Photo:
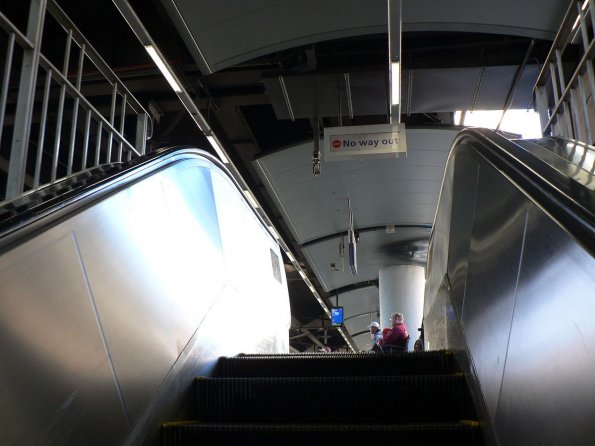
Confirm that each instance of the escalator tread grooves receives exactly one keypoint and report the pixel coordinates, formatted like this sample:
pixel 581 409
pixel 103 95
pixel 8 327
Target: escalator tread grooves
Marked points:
pixel 197 425
pixel 299 434
pixel 254 365
pixel 238 406
pixel 247 399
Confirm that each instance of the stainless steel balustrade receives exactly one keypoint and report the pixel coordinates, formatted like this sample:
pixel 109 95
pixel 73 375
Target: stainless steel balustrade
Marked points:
pixel 577 153
pixel 511 281
pixel 566 104
pixel 105 320
pixel 63 144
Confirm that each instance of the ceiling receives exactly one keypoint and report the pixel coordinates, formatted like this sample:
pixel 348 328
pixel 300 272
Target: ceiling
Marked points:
pixel 230 55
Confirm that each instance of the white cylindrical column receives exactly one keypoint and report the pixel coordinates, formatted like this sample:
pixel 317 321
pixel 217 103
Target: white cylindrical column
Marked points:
pixel 401 288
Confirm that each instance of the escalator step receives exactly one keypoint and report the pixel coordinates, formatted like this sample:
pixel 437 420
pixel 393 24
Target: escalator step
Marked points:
pixel 194 433
pixel 365 364
pixel 334 399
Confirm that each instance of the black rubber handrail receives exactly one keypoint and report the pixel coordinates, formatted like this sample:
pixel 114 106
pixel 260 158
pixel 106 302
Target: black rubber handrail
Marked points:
pixel 570 203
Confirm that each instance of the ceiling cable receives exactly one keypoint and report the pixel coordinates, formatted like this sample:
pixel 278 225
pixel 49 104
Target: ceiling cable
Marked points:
pixel 348 92
pixel 409 92
pixel 477 88
pixel 286 97
pixel 342 252
pixel 515 82
pixel 340 112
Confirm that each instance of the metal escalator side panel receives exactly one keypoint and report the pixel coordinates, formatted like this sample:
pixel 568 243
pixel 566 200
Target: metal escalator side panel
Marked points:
pixel 511 281
pixel 114 299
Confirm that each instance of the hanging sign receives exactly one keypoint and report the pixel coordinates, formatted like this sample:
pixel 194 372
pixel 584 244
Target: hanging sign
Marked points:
pixel 365 141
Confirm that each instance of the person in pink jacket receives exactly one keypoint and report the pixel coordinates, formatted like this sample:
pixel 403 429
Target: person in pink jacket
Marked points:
pixel 395 339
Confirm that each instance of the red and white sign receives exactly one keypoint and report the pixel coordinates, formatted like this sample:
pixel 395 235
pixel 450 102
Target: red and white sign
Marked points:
pixel 365 141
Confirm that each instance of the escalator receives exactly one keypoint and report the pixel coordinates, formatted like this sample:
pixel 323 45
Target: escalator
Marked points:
pixel 416 398
pixel 114 286
pixel 511 281
pixel 497 316
pixel 114 283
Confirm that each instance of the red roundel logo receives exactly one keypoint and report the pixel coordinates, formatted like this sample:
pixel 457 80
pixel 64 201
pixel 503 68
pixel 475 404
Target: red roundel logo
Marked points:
pixel 336 143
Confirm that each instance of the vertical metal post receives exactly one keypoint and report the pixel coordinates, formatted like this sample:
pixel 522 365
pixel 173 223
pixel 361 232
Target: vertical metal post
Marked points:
pixel 591 79
pixel 561 83
pixel 41 142
pixel 582 25
pixel 575 114
pixel 111 121
pixel 122 121
pixel 26 96
pixel 58 137
pixel 86 141
pixel 570 124
pixel 583 101
pixel 98 145
pixel 141 133
pixel 541 102
pixel 560 70
pixel 554 83
pixel 6 80
pixel 75 111
pixel 556 129
pixel 590 70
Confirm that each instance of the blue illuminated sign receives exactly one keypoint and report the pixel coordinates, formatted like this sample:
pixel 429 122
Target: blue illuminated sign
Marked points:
pixel 337 316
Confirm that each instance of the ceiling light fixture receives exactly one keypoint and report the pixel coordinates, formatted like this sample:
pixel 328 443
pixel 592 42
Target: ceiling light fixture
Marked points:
pixel 273 231
pixel 395 80
pixel 218 148
pixel 165 70
pixel 251 199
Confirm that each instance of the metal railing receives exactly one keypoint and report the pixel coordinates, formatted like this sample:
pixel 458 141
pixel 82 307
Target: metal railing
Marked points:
pixel 54 128
pixel 567 107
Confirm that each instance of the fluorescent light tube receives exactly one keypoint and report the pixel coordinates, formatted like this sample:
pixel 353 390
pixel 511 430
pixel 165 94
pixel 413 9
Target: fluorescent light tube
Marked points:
pixel 302 274
pixel 585 4
pixel 274 232
pixel 575 25
pixel 395 82
pixel 251 199
pixel 290 256
pixel 163 68
pixel 218 148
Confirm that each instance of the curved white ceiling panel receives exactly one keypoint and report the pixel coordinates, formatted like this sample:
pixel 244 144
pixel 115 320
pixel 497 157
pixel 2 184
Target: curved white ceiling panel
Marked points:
pixel 400 191
pixel 375 250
